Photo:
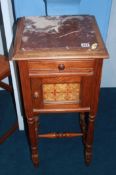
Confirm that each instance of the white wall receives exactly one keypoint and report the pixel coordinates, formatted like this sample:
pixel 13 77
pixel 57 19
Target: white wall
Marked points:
pixel 8 20
pixel 109 69
pixel 2 52
pixel 1 45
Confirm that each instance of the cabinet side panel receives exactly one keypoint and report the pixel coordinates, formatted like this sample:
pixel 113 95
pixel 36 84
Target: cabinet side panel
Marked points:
pixel 25 85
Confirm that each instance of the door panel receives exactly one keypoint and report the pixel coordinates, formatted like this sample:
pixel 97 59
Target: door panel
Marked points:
pixel 61 90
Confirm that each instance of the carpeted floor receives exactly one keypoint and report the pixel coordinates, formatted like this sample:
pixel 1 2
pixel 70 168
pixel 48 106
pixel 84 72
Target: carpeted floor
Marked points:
pixel 60 156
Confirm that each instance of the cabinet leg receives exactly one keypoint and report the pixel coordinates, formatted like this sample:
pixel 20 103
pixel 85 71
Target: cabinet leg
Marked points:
pixel 89 139
pixel 33 140
pixel 83 125
pixel 37 125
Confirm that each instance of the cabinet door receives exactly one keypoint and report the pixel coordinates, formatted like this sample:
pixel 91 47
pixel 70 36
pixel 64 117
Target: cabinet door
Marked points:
pixel 61 92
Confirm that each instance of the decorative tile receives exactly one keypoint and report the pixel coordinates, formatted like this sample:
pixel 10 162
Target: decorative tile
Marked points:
pixel 61 93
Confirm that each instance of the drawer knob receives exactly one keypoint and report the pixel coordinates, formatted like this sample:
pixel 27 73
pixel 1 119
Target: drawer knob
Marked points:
pixel 61 66
pixel 36 95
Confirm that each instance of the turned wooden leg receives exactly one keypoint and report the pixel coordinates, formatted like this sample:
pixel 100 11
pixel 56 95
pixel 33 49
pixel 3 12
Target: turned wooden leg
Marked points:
pixel 89 139
pixel 37 124
pixel 33 140
pixel 83 126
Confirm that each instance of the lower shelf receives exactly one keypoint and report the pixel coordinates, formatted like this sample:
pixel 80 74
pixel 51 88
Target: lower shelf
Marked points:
pixel 61 108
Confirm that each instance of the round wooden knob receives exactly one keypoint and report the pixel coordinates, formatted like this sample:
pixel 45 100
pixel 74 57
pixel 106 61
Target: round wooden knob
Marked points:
pixel 36 94
pixel 61 66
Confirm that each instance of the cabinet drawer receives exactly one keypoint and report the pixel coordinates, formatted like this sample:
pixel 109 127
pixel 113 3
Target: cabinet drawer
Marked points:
pixel 49 67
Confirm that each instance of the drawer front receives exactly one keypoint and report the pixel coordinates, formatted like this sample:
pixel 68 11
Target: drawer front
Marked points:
pixel 50 67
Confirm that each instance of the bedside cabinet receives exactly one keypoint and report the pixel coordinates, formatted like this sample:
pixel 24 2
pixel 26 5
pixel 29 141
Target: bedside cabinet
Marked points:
pixel 60 62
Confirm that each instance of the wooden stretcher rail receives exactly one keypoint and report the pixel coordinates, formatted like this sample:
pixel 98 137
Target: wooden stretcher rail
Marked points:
pixel 59 135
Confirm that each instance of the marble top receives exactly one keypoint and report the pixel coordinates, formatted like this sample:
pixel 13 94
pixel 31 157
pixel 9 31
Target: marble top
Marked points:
pixel 59 32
